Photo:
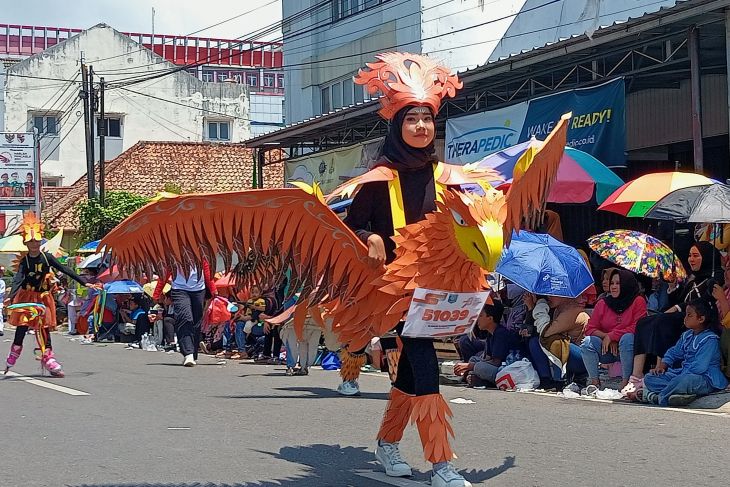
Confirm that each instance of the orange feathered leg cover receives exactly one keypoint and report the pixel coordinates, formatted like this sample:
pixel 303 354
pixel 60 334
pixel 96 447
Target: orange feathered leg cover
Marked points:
pixel 431 415
pixel 396 416
pixel 351 363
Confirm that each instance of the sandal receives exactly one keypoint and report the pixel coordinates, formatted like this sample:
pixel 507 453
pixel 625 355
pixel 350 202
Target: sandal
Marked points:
pixel 633 388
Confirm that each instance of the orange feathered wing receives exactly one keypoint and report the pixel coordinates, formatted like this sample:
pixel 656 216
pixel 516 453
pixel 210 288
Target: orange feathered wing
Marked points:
pixel 269 231
pixel 533 178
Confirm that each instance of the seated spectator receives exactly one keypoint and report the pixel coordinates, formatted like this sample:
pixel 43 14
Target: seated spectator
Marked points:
pixel 137 315
pixel 690 368
pixel 656 333
pixel 722 296
pixel 500 342
pixel 610 331
pixel 554 350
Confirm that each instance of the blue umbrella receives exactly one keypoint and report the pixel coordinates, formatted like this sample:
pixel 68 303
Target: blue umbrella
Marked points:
pixel 123 287
pixel 88 247
pixel 542 265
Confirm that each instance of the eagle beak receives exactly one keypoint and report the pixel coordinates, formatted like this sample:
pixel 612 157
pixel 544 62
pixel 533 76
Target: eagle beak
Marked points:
pixel 491 246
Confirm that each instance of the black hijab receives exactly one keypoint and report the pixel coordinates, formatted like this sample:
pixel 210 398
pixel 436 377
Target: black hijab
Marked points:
pixel 629 290
pixel 400 156
pixel 711 263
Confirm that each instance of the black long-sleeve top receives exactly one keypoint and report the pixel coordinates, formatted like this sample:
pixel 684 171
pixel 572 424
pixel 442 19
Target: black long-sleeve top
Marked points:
pixel 32 273
pixel 370 209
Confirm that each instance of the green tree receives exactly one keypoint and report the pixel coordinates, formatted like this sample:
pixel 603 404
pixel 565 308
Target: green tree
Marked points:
pixel 96 220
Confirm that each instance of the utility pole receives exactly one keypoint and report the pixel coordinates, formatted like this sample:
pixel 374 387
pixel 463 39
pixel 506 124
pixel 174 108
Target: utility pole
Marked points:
pixel 93 104
pixel 84 95
pixel 102 148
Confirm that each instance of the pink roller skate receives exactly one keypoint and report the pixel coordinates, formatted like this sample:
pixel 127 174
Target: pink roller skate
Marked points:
pixel 51 365
pixel 13 356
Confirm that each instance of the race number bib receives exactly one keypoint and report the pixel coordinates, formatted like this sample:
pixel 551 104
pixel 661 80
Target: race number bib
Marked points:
pixel 434 313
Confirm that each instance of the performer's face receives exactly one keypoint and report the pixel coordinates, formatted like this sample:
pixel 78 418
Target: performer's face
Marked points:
pixel 34 246
pixel 418 129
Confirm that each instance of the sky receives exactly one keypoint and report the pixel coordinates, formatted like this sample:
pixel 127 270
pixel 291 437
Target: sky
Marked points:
pixel 136 15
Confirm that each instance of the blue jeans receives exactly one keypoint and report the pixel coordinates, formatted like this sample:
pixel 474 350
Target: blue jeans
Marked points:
pixel 668 384
pixel 547 370
pixel 227 337
pixel 591 350
pixel 240 336
pixel 470 346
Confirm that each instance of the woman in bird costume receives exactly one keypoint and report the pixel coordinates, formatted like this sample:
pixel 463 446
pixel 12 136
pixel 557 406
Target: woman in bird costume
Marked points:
pixel 361 280
pixel 31 296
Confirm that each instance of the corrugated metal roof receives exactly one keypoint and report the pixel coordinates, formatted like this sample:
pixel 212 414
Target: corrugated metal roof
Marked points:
pixel 372 105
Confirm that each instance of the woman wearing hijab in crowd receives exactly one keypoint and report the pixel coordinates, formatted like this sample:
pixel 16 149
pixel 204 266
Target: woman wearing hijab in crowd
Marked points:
pixel 655 334
pixel 610 331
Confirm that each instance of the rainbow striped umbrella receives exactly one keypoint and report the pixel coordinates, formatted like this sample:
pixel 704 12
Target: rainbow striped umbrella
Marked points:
pixel 636 197
pixel 579 174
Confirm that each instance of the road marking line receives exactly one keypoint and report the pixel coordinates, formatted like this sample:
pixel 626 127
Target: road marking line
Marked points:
pixel 178 428
pixel 381 477
pixel 47 385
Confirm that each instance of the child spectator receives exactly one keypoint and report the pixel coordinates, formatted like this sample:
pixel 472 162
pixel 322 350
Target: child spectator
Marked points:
pixel 696 357
pixel 499 343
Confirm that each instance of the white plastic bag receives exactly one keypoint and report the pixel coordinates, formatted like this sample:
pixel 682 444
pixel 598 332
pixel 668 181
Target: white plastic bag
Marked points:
pixel 518 375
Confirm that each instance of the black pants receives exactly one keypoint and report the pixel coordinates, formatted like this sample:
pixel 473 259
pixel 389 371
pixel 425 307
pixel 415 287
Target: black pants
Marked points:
pixel 22 330
pixel 272 343
pixel 188 309
pixel 168 330
pixel 418 367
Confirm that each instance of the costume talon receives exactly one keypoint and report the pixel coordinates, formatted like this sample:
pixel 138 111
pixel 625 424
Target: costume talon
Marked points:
pixel 350 365
pixel 435 237
pixel 396 417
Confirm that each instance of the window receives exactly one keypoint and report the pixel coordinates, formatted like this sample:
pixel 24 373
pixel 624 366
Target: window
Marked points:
pixel 337 95
pixel 112 127
pixel 46 125
pixel 359 93
pixel 347 91
pixel 219 131
pixel 345 8
pixel 208 76
pixel 280 80
pixel 326 107
pixel 252 79
pixel 269 80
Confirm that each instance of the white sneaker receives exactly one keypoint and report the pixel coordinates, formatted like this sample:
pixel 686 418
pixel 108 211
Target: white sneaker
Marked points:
pixel 447 476
pixel 189 361
pixel 349 388
pixel 389 457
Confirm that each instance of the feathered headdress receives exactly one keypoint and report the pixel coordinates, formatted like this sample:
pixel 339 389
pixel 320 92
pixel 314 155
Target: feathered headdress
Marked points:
pixel 31 228
pixel 408 79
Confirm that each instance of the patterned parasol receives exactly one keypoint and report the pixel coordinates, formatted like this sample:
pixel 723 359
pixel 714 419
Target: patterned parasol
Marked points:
pixel 637 252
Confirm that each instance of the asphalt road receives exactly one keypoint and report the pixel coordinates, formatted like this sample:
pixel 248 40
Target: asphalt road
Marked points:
pixel 147 421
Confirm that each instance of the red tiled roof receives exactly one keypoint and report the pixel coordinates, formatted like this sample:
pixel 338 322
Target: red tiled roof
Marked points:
pixel 146 167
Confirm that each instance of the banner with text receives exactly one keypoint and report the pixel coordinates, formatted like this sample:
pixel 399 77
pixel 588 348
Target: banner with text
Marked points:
pixel 18 170
pixel 598 125
pixel 332 168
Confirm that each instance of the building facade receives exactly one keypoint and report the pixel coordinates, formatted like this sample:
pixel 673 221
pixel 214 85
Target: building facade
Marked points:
pixel 42 93
pixel 325 44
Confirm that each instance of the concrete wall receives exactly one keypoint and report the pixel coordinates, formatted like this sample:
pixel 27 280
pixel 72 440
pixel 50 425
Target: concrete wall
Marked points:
pixel 463 33
pixel 191 102
pixel 353 41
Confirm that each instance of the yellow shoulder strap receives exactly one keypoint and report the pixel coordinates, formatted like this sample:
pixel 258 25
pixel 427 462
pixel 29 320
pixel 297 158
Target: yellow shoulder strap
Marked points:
pixel 438 170
pixel 397 211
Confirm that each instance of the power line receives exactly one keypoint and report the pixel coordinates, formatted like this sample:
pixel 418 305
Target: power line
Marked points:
pixel 349 56
pixel 260 32
pixel 148 115
pixel 68 83
pixel 186 35
pixel 227 115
